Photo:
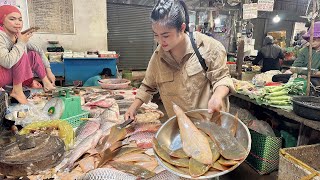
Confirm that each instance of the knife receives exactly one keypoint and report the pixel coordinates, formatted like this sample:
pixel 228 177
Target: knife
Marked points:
pixel 125 124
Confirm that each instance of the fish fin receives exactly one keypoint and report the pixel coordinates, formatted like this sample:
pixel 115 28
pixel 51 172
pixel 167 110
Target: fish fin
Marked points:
pixel 130 130
pixel 107 155
pixel 235 125
pixel 216 118
pixel 116 145
pixel 92 152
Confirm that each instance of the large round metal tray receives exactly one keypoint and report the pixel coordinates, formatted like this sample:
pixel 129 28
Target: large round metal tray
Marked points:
pixel 302 70
pixel 169 135
pixel 307 107
pixel 48 152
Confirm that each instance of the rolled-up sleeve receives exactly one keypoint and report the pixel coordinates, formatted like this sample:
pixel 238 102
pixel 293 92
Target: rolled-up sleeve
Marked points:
pixel 218 72
pixel 149 86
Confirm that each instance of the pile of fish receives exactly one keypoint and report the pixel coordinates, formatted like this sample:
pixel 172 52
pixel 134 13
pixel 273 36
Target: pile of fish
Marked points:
pixel 207 148
pixel 106 144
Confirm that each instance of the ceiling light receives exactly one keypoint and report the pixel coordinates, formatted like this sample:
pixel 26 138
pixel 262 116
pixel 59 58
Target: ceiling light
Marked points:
pixel 276 19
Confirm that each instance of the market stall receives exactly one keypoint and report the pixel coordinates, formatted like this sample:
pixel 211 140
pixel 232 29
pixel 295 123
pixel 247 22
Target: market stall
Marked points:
pixel 87 117
pixel 93 139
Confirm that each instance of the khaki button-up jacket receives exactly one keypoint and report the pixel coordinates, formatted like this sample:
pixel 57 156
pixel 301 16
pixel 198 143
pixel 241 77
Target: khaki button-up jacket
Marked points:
pixel 186 83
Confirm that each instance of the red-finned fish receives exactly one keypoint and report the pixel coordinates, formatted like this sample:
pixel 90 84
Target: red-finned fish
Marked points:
pixel 142 139
pixel 104 103
pixel 111 114
pixel 143 127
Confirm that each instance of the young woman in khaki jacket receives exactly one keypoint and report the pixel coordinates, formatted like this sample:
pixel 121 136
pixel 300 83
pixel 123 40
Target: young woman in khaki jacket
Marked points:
pixel 174 69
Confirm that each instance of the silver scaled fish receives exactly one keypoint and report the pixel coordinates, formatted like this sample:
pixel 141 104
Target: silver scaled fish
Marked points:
pixel 106 173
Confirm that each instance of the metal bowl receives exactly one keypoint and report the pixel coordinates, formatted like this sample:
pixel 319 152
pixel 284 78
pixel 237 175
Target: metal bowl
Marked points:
pixel 169 136
pixel 302 70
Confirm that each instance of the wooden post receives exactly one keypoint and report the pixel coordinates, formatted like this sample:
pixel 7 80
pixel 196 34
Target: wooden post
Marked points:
pixel 314 7
pixel 240 57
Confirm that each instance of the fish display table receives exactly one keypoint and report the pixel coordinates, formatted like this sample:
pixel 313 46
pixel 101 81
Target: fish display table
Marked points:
pixel 305 124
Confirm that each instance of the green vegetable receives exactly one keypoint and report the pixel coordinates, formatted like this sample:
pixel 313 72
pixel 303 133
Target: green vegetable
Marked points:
pixel 280 103
pixel 278 93
pixel 279 98
pixel 272 89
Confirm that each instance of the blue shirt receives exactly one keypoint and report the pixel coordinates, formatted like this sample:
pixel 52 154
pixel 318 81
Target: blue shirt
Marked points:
pixel 93 81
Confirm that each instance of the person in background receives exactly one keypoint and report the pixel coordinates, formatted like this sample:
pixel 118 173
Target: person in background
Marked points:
pixel 93 81
pixel 303 58
pixel 299 40
pixel 174 69
pixel 19 59
pixel 303 55
pixel 269 54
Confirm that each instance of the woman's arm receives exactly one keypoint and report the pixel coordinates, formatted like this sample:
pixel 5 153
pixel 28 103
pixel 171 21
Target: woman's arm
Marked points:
pixel 33 47
pixel 218 74
pixel 146 90
pixel 9 58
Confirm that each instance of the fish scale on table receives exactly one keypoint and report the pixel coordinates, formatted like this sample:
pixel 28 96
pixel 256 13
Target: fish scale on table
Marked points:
pixel 107 174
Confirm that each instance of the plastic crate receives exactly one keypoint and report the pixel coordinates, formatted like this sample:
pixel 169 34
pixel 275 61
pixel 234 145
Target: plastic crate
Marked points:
pixel 75 121
pixel 264 153
pixel 300 163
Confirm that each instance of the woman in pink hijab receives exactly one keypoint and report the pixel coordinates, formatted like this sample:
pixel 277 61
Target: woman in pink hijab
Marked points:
pixel 19 59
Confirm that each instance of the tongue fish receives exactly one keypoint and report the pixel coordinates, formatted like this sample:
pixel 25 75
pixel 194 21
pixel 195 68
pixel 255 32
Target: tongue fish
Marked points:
pixel 194 143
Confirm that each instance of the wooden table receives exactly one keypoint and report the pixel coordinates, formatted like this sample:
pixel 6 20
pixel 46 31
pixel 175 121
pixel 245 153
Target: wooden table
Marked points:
pixel 305 124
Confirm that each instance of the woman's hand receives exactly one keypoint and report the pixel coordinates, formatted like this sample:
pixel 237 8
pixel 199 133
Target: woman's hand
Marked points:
pixel 24 37
pixel 131 113
pixel 132 110
pixel 215 104
pixel 51 76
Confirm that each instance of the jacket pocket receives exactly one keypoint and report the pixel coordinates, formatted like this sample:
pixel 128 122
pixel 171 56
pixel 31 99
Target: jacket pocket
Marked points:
pixel 196 75
pixel 167 84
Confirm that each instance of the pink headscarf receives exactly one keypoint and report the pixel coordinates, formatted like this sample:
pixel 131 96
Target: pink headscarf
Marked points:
pixel 5 10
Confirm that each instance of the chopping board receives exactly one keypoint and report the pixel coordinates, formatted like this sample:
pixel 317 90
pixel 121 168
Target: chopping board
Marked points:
pixel 47 153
